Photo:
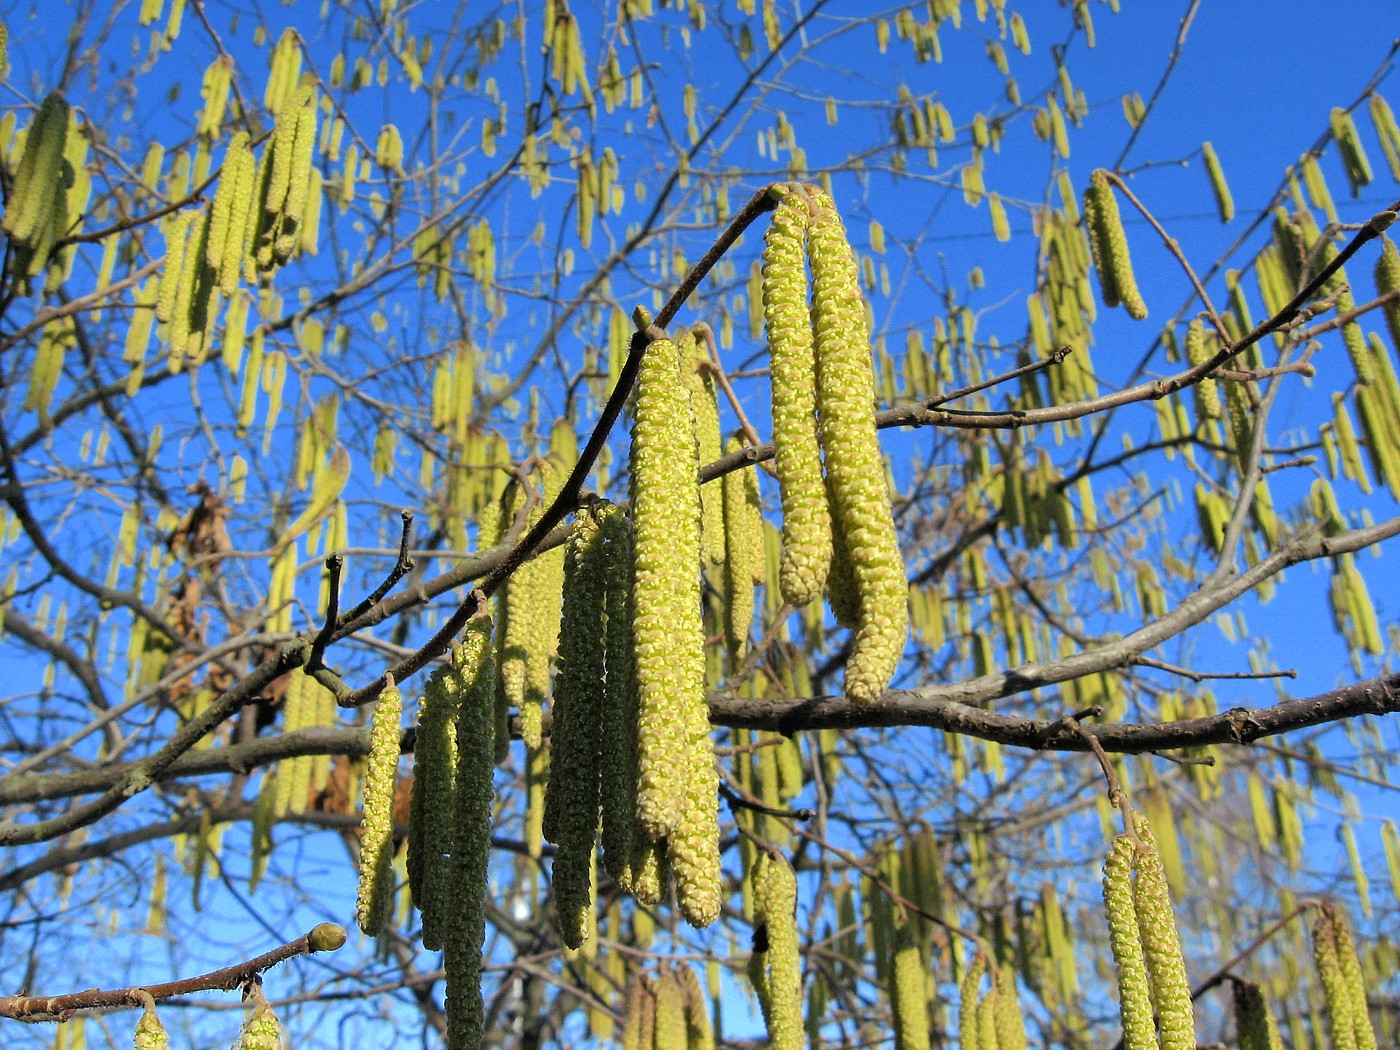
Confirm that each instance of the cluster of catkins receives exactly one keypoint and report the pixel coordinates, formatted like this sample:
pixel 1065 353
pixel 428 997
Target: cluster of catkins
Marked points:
pixel 631 761
pixel 666 1010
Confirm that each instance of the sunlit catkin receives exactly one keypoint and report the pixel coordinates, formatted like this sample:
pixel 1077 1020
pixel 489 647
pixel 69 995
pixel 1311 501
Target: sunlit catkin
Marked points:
pixel 31 200
pixel 1254 1024
pixel 1207 390
pixel 261 1031
pixel 1110 247
pixel 668 634
pixel 465 923
pixel 742 518
pixel 1134 993
pixel 572 793
pixel 699 1032
pixel 150 1032
pixel 376 892
pixel 1353 981
pixel 618 719
pixel 776 962
pixel 1166 967
pixel 792 368
pixel 694 365
pixel 969 1034
pixel 860 503
pixel 1387 281
pixel 669 1032
pixel 1219 188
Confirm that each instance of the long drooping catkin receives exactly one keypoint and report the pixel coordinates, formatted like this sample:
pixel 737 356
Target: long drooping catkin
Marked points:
pixel 1171 993
pixel 376 892
pixel 775 968
pixel 792 367
pixel 1110 247
pixel 855 471
pixel 1134 994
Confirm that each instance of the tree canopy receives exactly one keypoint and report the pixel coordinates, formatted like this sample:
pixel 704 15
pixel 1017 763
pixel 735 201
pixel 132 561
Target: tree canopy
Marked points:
pixel 347 347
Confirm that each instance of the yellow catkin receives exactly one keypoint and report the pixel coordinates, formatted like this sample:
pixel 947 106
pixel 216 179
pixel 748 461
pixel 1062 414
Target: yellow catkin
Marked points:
pixel 1110 247
pixel 1354 160
pixel 1254 1024
pixel 908 992
pixel 1207 389
pixel 742 517
pixel 1166 967
pixel 860 502
pixel 150 1032
pixel 1009 1021
pixel 1134 994
pixel 572 793
pixel 669 1032
pixel 969 1033
pixel 776 964
pixel 1224 203
pixel 639 1015
pixel 376 892
pixel 668 634
pixel 792 366
pixel 430 808
pixel 1387 281
pixel 700 1033
pixel 465 922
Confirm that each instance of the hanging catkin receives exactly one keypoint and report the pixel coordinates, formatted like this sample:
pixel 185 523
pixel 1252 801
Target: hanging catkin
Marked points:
pixel 792 366
pixel 1134 995
pixel 376 893
pixel 775 968
pixel 1110 247
pixel 1166 967
pixel 430 810
pixel 855 471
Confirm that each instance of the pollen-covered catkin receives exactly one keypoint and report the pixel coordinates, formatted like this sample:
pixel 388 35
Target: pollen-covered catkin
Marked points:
pixel 434 776
pixel 1329 970
pixel 1161 945
pixel 572 793
pixel 742 518
pixel 1254 1024
pixel 471 836
pixel 792 368
pixel 1010 1022
pixel 1134 994
pixel 855 470
pixel 670 1028
pixel 1224 202
pixel 1387 281
pixel 695 365
pixel 668 633
pixel 1110 247
pixel 968 1032
pixel 376 892
pixel 261 1031
pixel 776 960
pixel 1352 981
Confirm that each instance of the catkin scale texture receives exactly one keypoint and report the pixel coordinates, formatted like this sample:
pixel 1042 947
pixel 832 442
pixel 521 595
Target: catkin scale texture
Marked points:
pixel 618 739
pixel 430 813
pixel 777 969
pixel 855 471
pixel 908 996
pixel 36 182
pixel 1134 996
pixel 1110 247
pixel 376 891
pixel 465 922
pixel 1171 993
pixel 572 793
pixel 792 367
pixel 667 630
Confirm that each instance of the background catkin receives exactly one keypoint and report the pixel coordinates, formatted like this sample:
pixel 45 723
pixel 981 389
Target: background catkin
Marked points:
pixel 908 992
pixel 376 892
pixel 776 963
pixel 969 1034
pixel 1254 1025
pixel 742 517
pixel 806 556
pixel 860 502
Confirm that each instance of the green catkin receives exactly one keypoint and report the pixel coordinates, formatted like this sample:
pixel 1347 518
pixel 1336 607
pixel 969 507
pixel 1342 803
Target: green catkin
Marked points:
pixel 31 204
pixel 775 967
pixel 742 517
pixel 1224 203
pixel 572 793
pixel 806 525
pixel 1110 247
pixel 303 151
pixel 618 740
pixel 176 237
pixel 429 836
pixel 986 1021
pixel 1387 281
pixel 1329 970
pixel 639 1015
pixel 471 837
pixel 860 501
pixel 1354 160
pixel 1353 982
pixel 1009 1022
pixel 668 634
pixel 239 172
pixel 908 995
pixel 221 215
pixel 1134 995
pixel 1241 430
pixel 1166 967
pixel 1207 389
pixel 376 893
pixel 1254 1024
pixel 969 1033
